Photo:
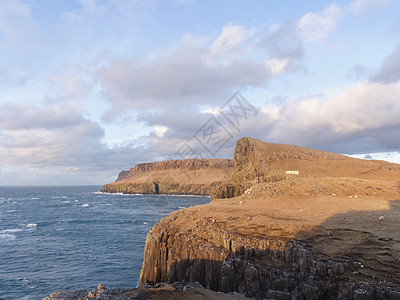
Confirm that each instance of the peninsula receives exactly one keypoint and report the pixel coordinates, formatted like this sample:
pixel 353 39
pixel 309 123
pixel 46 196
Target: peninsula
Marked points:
pixel 179 177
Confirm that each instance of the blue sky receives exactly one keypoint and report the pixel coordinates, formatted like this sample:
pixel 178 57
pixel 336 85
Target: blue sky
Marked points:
pixel 89 88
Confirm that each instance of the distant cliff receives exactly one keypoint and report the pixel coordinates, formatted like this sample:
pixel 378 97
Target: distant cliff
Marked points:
pixel 122 175
pixel 192 176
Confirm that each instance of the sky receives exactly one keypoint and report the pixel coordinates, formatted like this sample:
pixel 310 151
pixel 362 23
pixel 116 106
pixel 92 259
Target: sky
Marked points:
pixel 92 87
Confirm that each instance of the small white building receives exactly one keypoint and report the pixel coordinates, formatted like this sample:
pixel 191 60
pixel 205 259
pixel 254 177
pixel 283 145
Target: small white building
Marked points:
pixel 292 172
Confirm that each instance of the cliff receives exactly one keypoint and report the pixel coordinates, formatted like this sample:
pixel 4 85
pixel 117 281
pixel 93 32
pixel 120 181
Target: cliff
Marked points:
pixel 330 232
pixel 193 176
pixel 260 162
pixel 257 160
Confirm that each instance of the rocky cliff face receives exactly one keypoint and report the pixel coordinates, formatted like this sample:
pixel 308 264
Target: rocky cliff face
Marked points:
pixel 193 176
pixel 228 247
pixel 330 232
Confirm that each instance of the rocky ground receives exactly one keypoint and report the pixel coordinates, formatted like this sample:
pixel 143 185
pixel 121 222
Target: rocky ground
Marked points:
pixel 161 291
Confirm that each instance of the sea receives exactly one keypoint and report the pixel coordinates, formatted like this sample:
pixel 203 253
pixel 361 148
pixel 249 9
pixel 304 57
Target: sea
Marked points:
pixel 73 237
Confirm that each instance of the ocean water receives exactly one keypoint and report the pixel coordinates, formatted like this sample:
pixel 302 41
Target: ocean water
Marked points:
pixel 60 238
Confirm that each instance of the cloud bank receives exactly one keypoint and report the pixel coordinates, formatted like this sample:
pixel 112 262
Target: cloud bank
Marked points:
pixel 55 122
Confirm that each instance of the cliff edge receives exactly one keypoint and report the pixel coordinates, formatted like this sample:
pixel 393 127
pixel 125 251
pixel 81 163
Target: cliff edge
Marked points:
pixel 291 223
pixel 192 176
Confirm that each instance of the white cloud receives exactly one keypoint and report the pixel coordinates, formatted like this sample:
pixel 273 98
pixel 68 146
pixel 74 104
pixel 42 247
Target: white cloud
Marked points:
pixel 181 78
pixel 368 7
pixel 18 26
pixel 277 66
pixel 230 39
pixel 70 82
pixel 386 156
pixel 57 136
pixel 390 68
pixel 160 130
pixel 212 110
pixel 283 43
pixel 89 10
pixel 315 26
pixel 364 116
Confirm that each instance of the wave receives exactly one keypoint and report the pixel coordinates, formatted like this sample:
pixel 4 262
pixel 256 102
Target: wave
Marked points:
pixel 7 236
pixel 180 195
pixel 120 194
pixel 5 231
pixel 153 195
pixel 85 205
pixel 31 225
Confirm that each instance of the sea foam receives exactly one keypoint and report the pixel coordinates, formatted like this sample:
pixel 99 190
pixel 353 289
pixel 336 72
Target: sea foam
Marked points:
pixel 7 236
pixel 31 225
